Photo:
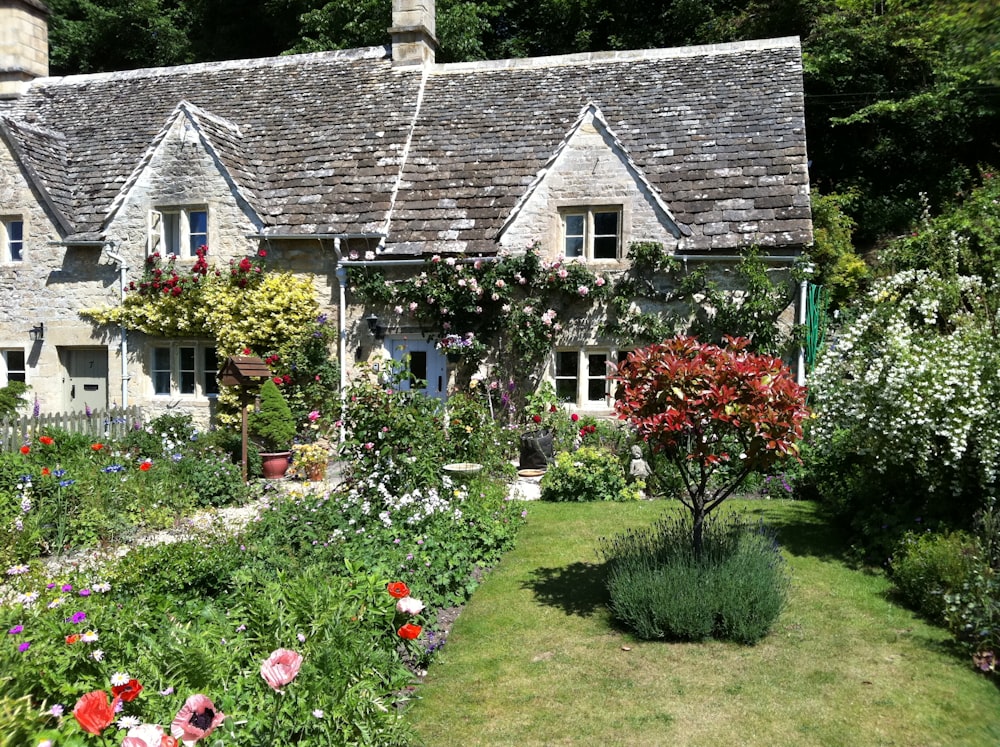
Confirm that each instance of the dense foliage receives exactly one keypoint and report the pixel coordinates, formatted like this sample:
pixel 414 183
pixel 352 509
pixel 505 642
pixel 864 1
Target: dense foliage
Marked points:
pixel 719 414
pixel 660 587
pixel 590 473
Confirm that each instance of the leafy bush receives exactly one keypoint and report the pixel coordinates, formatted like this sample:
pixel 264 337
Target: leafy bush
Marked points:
pixel 211 477
pixel 272 423
pixel 927 566
pixel 588 474
pixel 905 436
pixel 660 587
pixel 475 436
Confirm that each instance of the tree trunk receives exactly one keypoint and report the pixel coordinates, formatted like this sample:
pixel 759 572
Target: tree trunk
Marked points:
pixel 697 535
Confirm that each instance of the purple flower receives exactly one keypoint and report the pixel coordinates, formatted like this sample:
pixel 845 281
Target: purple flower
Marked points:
pixel 36 410
pixel 84 592
pixel 67 587
pixel 24 647
pixel 56 710
pixel 78 617
pixel 15 630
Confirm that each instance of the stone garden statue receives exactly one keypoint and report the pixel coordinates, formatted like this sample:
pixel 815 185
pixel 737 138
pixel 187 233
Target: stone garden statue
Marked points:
pixel 637 468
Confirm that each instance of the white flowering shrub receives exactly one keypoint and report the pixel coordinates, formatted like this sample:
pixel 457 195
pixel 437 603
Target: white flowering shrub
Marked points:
pixel 905 433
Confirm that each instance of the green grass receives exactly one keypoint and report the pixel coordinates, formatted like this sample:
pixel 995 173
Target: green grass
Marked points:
pixel 535 659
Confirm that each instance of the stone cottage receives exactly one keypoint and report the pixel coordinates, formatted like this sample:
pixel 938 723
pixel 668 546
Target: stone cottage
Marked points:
pixel 377 153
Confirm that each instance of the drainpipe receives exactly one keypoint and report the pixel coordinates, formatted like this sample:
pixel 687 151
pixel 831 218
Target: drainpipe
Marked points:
pixel 341 272
pixel 122 332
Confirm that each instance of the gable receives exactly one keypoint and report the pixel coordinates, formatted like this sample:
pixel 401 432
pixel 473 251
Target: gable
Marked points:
pixel 590 167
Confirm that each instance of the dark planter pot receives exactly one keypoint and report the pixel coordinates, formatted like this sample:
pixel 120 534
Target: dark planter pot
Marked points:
pixel 537 450
pixel 274 464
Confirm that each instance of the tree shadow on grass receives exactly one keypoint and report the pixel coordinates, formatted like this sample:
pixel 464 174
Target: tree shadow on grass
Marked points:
pixel 576 589
pixel 805 532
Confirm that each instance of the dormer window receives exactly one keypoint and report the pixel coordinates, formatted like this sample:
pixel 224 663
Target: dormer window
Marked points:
pixel 12 240
pixel 178 231
pixel 592 233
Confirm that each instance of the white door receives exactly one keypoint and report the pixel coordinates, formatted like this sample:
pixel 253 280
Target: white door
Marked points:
pixel 427 366
pixel 86 379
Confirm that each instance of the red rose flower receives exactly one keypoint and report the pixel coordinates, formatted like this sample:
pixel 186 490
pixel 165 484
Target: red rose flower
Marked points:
pixel 278 380
pixel 127 692
pixel 409 631
pixel 398 589
pixel 537 418
pixel 46 440
pixel 552 408
pixel 574 417
pixel 94 713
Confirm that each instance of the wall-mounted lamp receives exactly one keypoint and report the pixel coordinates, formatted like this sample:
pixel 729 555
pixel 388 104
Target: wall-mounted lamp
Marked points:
pixel 377 330
pixel 37 333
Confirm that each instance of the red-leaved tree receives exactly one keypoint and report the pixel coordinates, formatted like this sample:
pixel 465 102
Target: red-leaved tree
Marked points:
pixel 718 413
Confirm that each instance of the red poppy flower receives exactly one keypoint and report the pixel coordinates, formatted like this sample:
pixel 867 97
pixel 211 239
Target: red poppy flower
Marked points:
pixel 71 639
pixel 537 418
pixel 280 668
pixel 146 466
pixel 127 692
pixel 398 589
pixel 25 449
pixel 196 719
pixel 46 471
pixel 94 713
pixel 409 631
pixel 46 440
pixel 97 447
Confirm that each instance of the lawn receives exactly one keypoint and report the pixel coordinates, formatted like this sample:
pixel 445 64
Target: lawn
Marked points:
pixel 535 658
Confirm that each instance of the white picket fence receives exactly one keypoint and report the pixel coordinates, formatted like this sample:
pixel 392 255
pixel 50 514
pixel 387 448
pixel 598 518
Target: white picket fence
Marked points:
pixel 108 424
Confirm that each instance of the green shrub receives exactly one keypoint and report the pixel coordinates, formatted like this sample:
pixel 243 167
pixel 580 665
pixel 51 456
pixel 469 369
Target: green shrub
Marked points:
pixel 272 424
pixel 661 589
pixel 588 474
pixel 927 566
pixel 211 477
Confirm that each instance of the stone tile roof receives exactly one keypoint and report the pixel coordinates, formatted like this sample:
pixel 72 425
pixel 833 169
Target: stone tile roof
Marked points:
pixel 330 142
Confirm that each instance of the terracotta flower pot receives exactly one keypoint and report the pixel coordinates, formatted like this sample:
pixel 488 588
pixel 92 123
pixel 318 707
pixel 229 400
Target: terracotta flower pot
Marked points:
pixel 274 464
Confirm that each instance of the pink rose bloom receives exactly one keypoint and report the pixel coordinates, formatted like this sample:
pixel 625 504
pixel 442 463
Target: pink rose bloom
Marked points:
pixel 314 415
pixel 196 719
pixel 583 290
pixel 409 606
pixel 599 282
pixel 280 668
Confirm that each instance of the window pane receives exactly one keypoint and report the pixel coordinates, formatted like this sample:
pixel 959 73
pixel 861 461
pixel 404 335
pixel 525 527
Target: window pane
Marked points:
pixel 566 363
pixel 596 389
pixel 597 364
pixel 211 371
pixel 15 240
pixel 197 230
pixel 566 390
pixel 161 370
pixel 171 233
pixel 15 365
pixel 418 364
pixel 605 224
pixel 574 230
pixel 605 235
pixel 186 370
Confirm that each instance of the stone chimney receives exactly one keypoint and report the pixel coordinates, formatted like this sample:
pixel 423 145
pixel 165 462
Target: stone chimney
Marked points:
pixel 24 44
pixel 413 39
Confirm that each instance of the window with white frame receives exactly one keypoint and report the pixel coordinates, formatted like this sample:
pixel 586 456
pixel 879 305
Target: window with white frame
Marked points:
pixel 12 360
pixel 581 376
pixel 184 370
pixel 592 233
pixel 178 231
pixel 11 240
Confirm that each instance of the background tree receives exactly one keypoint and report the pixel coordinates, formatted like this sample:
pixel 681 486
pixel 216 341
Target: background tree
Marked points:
pixel 717 413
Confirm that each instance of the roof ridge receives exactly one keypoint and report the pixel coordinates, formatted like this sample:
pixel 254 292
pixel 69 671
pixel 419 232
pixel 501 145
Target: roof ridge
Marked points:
pixel 624 55
pixel 345 55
